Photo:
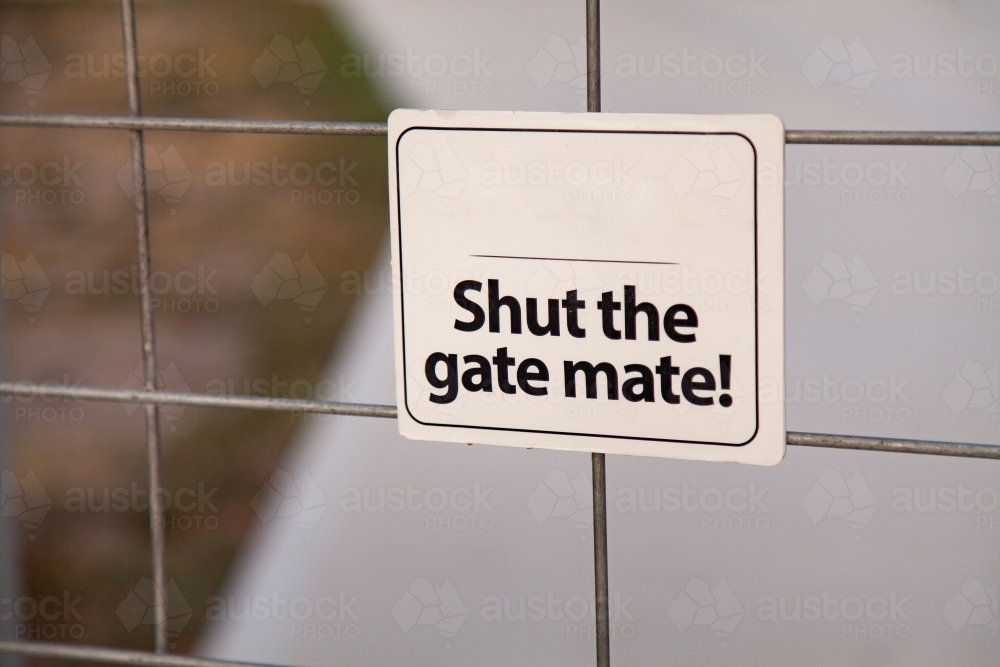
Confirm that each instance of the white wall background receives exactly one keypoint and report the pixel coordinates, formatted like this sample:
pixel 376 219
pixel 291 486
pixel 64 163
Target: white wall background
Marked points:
pixel 843 559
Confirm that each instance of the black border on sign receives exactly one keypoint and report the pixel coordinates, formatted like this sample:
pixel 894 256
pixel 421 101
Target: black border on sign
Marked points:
pixel 756 333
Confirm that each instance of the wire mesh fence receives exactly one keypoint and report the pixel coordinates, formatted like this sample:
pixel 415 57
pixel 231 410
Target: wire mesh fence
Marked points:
pixel 153 398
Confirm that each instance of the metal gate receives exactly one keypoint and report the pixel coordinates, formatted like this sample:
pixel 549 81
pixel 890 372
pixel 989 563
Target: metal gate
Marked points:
pixel 151 397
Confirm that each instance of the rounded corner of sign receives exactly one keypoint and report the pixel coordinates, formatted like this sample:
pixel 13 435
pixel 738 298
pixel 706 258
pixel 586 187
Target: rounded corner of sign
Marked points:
pixel 769 447
pixel 402 116
pixel 779 125
pixel 766 128
pixel 395 116
pixel 774 456
pixel 398 123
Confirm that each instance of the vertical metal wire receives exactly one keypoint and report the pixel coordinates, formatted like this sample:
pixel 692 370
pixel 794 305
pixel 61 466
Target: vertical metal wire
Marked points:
pixel 156 520
pixel 593 55
pixel 602 620
pixel 601 561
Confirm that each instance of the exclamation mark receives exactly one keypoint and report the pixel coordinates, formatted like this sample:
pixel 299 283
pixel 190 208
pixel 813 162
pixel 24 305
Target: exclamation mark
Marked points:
pixel 725 364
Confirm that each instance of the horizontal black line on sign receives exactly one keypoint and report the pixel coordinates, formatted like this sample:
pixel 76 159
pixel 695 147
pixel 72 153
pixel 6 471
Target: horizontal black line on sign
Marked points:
pixel 576 259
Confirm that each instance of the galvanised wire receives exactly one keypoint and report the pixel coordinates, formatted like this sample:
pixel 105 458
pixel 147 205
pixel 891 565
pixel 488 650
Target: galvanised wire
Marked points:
pixel 113 656
pixel 157 527
pixel 195 124
pixel 602 633
pixel 152 398
pixel 160 397
pixel 346 128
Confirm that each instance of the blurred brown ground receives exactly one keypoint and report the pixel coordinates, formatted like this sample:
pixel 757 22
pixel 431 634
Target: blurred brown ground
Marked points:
pixel 215 332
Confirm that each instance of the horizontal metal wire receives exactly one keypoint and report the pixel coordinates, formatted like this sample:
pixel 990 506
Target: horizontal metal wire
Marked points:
pixel 28 390
pixel 857 137
pixel 932 447
pixel 159 397
pixel 112 655
pixel 194 124
pixel 892 138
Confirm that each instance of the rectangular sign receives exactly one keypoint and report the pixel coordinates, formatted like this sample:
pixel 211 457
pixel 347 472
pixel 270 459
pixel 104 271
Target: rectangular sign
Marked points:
pixel 593 282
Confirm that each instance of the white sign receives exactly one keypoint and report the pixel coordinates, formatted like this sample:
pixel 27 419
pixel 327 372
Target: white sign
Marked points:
pixel 594 282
